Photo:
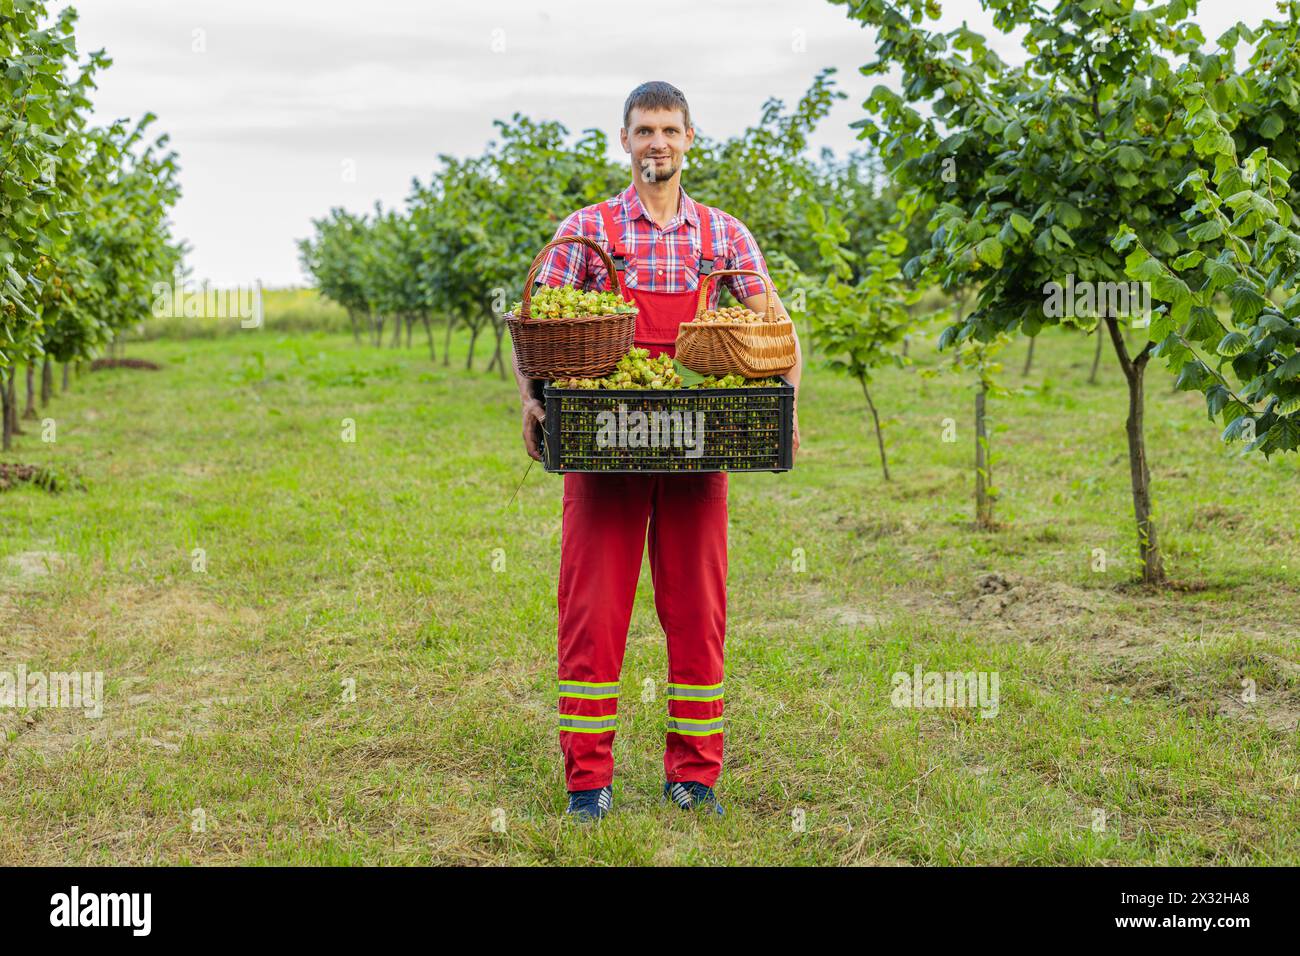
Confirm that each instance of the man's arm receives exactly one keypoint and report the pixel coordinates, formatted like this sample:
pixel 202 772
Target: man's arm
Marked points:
pixel 758 303
pixel 564 265
pixel 534 412
pixel 743 253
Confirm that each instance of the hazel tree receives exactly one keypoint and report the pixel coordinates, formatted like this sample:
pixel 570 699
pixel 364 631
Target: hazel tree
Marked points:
pixel 1242 247
pixel 1027 174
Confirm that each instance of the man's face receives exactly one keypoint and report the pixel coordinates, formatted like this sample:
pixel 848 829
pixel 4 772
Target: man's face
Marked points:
pixel 657 140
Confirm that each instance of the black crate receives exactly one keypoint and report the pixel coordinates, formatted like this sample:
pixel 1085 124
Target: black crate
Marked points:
pixel 743 429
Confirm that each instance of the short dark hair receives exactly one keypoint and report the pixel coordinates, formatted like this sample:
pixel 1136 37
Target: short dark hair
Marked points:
pixel 656 95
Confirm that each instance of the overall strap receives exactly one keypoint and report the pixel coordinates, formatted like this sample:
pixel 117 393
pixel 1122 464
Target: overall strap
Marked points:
pixel 615 235
pixel 706 239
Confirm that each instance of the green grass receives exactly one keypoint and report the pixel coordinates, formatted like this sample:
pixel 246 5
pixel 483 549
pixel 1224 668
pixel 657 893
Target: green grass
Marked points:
pixel 371 562
pixel 285 311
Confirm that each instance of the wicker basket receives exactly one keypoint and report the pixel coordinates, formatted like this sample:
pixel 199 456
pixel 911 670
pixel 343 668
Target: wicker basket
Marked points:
pixel 582 347
pixel 751 349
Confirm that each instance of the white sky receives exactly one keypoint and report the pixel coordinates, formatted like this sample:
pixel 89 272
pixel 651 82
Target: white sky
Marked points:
pixel 289 92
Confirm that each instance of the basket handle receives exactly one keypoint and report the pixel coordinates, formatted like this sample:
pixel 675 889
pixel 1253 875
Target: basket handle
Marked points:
pixel 770 316
pixel 614 280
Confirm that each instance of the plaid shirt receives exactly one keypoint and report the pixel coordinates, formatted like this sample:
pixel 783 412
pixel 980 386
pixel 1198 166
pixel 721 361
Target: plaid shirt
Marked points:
pixel 659 260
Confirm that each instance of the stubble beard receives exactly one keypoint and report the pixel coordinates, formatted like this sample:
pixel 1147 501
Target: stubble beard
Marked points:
pixel 650 172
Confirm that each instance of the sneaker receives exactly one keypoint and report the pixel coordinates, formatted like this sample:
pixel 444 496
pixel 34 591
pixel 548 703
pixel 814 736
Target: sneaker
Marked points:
pixel 588 805
pixel 690 795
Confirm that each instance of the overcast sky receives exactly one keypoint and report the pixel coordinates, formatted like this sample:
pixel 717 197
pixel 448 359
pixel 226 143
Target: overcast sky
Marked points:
pixel 280 109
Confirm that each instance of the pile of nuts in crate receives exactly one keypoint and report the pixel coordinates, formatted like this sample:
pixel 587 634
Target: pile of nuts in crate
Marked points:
pixel 638 370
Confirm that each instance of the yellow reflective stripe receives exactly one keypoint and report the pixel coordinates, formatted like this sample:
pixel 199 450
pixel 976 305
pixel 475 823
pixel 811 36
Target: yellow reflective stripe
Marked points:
pixel 587 730
pixel 583 724
pixel 700 692
pixel 588 690
pixel 695 726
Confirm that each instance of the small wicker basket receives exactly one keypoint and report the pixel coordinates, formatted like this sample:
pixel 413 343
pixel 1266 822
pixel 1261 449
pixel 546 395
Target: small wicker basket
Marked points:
pixel 751 349
pixel 580 347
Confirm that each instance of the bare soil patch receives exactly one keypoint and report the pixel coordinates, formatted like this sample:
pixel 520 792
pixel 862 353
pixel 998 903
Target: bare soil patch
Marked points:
pixel 144 364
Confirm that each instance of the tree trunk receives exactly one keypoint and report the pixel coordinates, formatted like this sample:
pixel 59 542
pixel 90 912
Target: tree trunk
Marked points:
pixel 880 438
pixel 983 464
pixel 356 328
pixel 474 329
pixel 1153 571
pixel 6 426
pixel 67 369
pixel 47 381
pixel 12 392
pixel 1029 358
pixel 29 412
pixel 428 330
pixel 410 326
pixel 499 329
pixel 446 342
pixel 397 331
pixel 1096 358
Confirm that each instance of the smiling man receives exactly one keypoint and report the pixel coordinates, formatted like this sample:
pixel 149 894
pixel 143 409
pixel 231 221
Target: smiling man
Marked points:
pixel 662 243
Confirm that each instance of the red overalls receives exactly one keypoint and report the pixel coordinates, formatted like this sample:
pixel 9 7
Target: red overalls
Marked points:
pixel 602 538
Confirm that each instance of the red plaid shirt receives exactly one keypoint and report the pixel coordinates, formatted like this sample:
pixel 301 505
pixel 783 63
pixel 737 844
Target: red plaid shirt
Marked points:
pixel 659 260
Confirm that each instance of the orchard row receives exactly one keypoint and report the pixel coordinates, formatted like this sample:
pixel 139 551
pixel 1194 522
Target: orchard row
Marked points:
pixel 83 209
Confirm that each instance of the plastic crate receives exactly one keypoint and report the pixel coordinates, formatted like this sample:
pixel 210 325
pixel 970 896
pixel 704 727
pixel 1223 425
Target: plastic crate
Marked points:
pixel 713 429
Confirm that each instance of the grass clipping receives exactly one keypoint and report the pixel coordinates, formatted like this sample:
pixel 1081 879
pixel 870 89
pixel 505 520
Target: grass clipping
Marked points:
pixel 42 476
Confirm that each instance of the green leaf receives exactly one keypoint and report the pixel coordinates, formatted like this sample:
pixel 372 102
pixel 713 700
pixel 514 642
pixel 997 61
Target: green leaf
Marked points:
pixel 1216 398
pixel 1021 224
pixel 1232 344
pixel 1218 274
pixel 1238 424
pixel 1062 236
pixel 1068 216
pixel 1247 303
pixel 1191 377
pixel 1204 325
pixel 689 377
pixel 1162 326
pixel 1289 369
pixel 1169 288
pixel 1271 126
pixel 1288 406
pixel 990 252
pixel 1206 232
pixel 1129 157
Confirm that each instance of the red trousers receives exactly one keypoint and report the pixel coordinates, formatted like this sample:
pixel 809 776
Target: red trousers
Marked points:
pixel 604 533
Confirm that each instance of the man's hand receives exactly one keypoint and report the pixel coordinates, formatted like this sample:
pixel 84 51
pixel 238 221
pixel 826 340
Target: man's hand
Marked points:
pixel 758 303
pixel 534 415
pixel 795 444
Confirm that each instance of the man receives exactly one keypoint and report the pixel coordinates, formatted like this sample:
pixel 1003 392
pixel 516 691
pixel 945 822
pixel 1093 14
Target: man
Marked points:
pixel 661 242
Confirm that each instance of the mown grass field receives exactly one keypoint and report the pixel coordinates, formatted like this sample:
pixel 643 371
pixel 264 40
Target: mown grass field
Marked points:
pixel 369 564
